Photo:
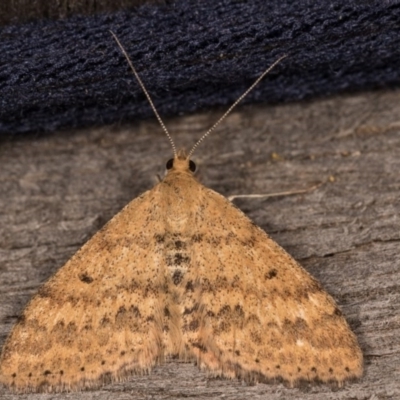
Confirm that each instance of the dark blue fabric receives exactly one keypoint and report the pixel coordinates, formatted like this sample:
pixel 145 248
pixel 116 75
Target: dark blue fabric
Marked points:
pixel 191 55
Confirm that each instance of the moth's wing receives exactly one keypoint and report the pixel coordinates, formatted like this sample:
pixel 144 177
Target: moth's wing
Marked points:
pixel 98 317
pixel 258 314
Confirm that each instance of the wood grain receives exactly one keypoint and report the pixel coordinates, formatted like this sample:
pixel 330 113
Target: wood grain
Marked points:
pixel 57 191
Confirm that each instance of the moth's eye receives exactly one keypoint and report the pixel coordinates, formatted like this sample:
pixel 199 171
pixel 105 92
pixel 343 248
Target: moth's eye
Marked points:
pixel 192 166
pixel 170 163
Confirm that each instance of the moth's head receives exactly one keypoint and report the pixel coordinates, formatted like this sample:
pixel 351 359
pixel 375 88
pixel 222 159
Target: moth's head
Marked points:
pixel 181 162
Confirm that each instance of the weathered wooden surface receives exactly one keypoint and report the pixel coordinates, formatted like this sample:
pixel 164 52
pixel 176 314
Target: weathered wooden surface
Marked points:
pixel 55 192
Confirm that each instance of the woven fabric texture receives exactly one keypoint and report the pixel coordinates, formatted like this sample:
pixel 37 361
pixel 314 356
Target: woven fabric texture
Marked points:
pixel 191 55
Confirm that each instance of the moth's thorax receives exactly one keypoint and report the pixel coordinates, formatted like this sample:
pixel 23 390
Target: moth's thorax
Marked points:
pixel 181 193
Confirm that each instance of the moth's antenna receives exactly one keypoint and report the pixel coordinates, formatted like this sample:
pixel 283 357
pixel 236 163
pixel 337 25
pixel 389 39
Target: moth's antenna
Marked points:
pixel 146 93
pixel 236 103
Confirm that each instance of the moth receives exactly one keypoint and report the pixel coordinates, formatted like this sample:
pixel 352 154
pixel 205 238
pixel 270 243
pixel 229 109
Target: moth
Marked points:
pixel 179 272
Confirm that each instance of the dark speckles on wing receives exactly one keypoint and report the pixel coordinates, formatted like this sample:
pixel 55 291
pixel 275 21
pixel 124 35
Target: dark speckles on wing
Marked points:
pixel 200 346
pixel 272 273
pixel 197 238
pixel 45 291
pixel 84 277
pixel 177 257
pixel 189 286
pixel 177 277
pixel 159 238
pixel 179 245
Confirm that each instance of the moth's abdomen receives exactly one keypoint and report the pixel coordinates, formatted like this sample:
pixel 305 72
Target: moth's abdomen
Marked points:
pixel 180 303
pixel 177 259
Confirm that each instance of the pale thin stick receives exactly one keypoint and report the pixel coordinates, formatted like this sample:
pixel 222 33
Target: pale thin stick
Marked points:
pixel 236 103
pixel 266 196
pixel 146 93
